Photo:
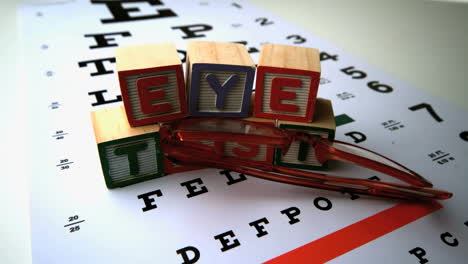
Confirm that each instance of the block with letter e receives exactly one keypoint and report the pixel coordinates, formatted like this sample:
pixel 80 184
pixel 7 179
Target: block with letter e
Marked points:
pixel 287 82
pixel 128 154
pixel 152 83
pixel 219 79
pixel 300 154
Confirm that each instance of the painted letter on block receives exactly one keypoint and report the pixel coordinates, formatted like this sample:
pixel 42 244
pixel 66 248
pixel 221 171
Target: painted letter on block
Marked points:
pixel 221 90
pixel 147 96
pixel 278 95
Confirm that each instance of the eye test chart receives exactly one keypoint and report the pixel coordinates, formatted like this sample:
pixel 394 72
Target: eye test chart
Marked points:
pixel 219 216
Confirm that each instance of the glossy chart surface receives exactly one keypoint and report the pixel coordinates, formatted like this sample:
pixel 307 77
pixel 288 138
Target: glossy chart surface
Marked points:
pixel 216 216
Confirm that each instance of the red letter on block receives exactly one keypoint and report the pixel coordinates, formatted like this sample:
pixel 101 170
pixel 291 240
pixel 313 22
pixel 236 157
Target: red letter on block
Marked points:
pixel 147 97
pixel 251 152
pixel 277 94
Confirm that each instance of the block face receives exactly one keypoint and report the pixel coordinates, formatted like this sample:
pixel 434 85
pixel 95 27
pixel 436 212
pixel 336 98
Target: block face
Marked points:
pixel 220 90
pixel 285 94
pixel 153 95
pixel 301 155
pixel 131 160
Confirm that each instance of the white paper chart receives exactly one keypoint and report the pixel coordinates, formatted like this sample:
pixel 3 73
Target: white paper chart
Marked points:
pixel 215 216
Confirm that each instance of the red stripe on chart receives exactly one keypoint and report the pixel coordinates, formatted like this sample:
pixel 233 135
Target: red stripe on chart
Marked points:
pixel 351 237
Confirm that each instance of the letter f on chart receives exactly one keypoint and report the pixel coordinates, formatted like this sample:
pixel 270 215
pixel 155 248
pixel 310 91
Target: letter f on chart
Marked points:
pixel 221 90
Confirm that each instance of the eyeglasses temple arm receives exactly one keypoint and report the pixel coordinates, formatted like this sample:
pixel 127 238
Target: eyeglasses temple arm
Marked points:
pixel 187 156
pixel 325 151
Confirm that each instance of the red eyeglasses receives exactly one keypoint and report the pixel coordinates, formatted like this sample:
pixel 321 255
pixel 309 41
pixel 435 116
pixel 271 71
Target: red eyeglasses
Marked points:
pixel 182 143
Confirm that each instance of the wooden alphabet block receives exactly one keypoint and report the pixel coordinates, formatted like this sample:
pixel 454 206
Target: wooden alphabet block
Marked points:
pixel 128 154
pixel 219 79
pixel 233 148
pixel 300 154
pixel 287 82
pixel 152 83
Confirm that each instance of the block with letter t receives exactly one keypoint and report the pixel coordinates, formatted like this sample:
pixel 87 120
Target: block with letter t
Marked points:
pixel 128 154
pixel 152 83
pixel 219 79
pixel 300 154
pixel 287 82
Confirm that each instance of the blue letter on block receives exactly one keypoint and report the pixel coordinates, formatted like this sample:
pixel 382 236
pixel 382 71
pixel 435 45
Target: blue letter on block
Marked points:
pixel 220 90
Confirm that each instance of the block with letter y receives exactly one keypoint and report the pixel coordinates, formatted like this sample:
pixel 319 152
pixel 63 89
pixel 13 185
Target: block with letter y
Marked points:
pixel 152 83
pixel 219 79
pixel 287 82
pixel 128 154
